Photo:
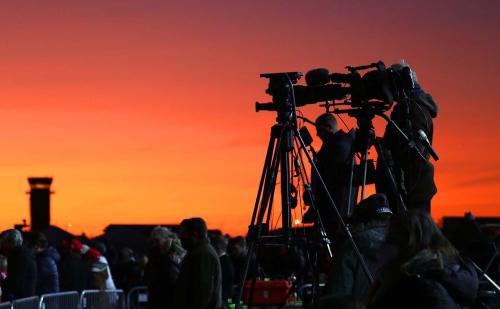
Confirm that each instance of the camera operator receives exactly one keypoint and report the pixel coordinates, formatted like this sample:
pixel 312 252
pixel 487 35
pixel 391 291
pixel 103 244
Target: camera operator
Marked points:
pixel 332 161
pixel 414 176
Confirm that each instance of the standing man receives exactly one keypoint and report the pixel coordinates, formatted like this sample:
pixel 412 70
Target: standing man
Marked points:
pixel 414 176
pixel 220 244
pixel 333 162
pixel 200 281
pixel 21 267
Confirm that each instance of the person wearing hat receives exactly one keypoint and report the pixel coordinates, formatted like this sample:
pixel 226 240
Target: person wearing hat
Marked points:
pixel 74 272
pixel 347 278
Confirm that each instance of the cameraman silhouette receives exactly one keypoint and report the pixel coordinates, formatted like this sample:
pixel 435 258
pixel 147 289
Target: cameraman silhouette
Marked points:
pixel 415 176
pixel 332 161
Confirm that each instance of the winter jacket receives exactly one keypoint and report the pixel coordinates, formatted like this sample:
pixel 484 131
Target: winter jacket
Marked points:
pixel 427 280
pixel 21 274
pixel 48 275
pixel 414 176
pixel 199 285
pixel 161 274
pixel 347 277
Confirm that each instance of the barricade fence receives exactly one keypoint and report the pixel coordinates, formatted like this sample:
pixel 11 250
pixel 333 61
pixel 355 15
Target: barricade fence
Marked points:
pixel 63 300
pixel 137 298
pixel 87 299
pixel 26 303
pixel 102 299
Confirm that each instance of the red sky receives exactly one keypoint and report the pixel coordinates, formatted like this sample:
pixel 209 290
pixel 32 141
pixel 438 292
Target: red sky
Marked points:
pixel 143 111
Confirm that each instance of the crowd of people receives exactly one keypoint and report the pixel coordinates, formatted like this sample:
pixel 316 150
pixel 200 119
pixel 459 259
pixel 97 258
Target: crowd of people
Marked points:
pixel 188 269
pixel 401 258
pixel 413 265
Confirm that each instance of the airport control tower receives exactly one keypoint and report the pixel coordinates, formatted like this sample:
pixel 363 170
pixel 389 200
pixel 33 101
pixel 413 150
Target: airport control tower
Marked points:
pixel 40 202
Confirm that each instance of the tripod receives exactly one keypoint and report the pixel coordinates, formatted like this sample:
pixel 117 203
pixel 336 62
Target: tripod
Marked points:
pixel 284 136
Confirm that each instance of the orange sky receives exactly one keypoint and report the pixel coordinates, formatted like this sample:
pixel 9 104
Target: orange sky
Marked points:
pixel 143 111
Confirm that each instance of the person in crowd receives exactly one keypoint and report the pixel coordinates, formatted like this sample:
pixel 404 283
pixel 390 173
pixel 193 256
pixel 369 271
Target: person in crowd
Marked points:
pixel 200 281
pixel 347 278
pixel 220 244
pixel 414 175
pixel 333 162
pixel 21 267
pixel 127 272
pixel 74 272
pixel 94 255
pixel 3 272
pixel 98 276
pixel 162 269
pixel 47 258
pixel 420 268
pixel 238 251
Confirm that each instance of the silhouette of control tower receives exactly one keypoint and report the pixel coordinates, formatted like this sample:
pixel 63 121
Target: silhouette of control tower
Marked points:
pixel 40 202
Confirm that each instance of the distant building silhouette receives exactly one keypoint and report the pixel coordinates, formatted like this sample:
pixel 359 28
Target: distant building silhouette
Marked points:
pixel 40 202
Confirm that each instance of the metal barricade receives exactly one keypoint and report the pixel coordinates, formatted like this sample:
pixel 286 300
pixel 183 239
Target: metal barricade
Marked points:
pixel 6 305
pixel 137 298
pixel 102 299
pixel 63 300
pixel 26 303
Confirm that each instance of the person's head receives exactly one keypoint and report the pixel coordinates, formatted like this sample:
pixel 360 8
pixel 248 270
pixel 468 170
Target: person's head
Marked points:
pixel 126 254
pixel 414 230
pixel 161 238
pixel 326 124
pixel 11 239
pixel 373 210
pixel 219 243
pixel 238 246
pixel 193 232
pixel 38 241
pixel 101 247
pixel 402 66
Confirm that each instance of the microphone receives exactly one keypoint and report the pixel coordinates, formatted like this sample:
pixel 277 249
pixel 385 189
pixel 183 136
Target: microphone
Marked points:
pixel 427 144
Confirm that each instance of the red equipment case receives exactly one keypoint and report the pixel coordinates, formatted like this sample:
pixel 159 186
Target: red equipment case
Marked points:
pixel 271 292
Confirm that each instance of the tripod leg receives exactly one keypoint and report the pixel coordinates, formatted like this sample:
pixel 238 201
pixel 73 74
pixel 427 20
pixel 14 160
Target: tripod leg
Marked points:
pixel 364 163
pixel 265 174
pixel 262 204
pixel 339 216
pixel 307 187
pixel 389 175
pixel 351 185
pixel 285 149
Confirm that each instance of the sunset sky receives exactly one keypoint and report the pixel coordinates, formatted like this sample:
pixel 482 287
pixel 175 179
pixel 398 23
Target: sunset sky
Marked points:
pixel 143 111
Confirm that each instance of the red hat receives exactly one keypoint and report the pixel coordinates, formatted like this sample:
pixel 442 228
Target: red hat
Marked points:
pixel 76 246
pixel 92 255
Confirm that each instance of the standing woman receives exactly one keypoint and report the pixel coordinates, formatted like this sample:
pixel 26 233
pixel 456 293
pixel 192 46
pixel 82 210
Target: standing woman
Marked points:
pixel 163 267
pixel 422 268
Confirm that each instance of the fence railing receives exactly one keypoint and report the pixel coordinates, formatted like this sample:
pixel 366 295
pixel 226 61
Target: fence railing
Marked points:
pixel 102 299
pixel 137 298
pixel 88 299
pixel 26 303
pixel 63 300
